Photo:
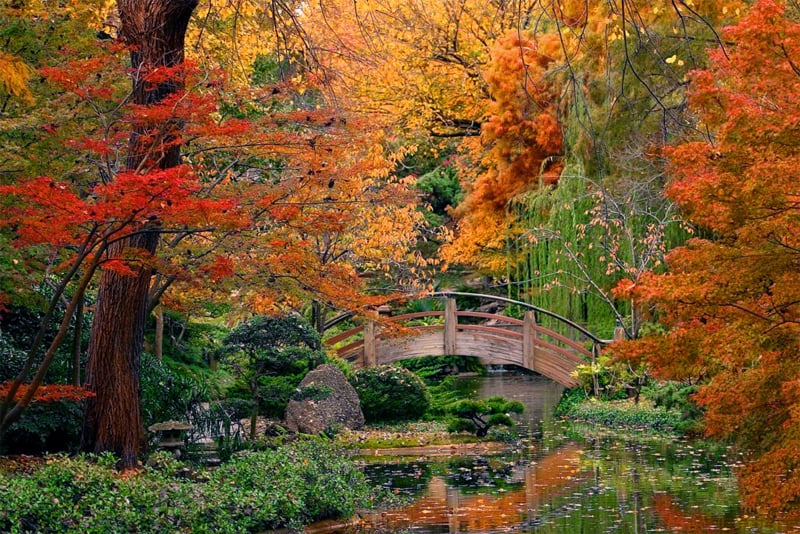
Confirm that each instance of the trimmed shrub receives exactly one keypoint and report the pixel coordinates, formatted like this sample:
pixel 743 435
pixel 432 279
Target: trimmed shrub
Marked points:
pixel 389 393
pixel 270 356
pixel 479 416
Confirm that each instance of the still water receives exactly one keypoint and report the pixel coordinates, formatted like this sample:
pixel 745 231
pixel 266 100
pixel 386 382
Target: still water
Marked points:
pixel 556 479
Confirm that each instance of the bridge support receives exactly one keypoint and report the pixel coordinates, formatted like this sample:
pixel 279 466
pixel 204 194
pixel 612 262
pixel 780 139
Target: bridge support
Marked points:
pixel 529 340
pixel 450 326
pixel 370 345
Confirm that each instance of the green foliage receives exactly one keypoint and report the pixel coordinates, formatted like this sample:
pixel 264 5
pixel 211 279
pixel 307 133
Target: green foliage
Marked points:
pixel 45 427
pixel 570 399
pixel 389 393
pixel 19 326
pixel 12 358
pixel 430 367
pixel 189 344
pixel 289 487
pixel 611 380
pixel 166 394
pixel 586 237
pixel 446 393
pixel 626 414
pixel 442 190
pixel 479 416
pixel 676 396
pixel 270 356
pixel 220 420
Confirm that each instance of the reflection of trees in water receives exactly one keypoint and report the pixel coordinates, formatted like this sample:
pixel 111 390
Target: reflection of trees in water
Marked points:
pixel 407 478
pixel 614 481
pixel 441 504
pixel 480 475
pixel 623 484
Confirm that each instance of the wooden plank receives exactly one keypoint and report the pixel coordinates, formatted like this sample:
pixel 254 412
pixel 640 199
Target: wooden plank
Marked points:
pixel 565 340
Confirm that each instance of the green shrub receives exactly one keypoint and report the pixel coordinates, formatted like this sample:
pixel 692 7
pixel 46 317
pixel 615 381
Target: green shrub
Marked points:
pixel 165 394
pixel 389 393
pixel 570 398
pixel 260 491
pixel 678 397
pixel 45 427
pixel 610 379
pixel 479 416
pixel 270 356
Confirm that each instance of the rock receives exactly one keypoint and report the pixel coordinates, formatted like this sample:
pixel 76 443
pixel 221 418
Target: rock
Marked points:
pixel 325 401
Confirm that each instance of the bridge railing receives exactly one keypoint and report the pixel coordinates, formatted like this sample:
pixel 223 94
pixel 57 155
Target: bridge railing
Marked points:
pixel 503 339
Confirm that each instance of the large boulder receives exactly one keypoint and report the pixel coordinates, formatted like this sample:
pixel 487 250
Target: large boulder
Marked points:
pixel 324 400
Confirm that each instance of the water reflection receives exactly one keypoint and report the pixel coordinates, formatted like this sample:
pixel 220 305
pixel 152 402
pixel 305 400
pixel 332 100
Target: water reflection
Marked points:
pixel 560 481
pixel 483 495
pixel 610 484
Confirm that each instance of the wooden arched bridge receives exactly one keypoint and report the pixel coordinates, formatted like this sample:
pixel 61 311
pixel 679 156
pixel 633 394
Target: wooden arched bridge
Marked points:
pixel 496 339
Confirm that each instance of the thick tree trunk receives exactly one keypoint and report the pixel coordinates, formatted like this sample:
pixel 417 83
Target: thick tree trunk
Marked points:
pixel 113 417
pixel 155 31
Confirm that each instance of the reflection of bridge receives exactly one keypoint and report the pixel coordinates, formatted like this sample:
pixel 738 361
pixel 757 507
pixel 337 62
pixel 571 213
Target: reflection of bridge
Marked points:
pixel 496 339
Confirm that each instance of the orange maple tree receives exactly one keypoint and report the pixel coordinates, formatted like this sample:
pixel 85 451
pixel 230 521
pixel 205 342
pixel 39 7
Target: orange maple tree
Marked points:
pixel 731 298
pixel 519 147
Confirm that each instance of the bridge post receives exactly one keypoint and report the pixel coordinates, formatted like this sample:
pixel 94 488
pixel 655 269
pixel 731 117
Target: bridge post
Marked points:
pixel 370 348
pixel 450 326
pixel 529 340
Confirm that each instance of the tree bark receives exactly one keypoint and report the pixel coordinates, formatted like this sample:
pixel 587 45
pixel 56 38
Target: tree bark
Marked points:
pixel 155 31
pixel 113 417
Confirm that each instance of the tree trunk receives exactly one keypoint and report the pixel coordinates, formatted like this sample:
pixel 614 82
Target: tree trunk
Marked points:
pixel 155 31
pixel 113 418
pixel 158 342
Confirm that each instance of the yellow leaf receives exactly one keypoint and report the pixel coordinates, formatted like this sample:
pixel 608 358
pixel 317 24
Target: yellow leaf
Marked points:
pixel 14 76
pixel 671 59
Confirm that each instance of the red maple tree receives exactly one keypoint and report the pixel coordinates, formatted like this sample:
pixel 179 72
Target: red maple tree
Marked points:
pixel 731 297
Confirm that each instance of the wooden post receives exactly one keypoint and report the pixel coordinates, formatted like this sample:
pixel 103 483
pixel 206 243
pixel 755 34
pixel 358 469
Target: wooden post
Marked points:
pixel 370 348
pixel 595 382
pixel 619 332
pixel 529 341
pixel 450 326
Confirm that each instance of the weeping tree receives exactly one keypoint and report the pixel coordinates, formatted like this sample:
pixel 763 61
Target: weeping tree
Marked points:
pixel 154 31
pixel 575 242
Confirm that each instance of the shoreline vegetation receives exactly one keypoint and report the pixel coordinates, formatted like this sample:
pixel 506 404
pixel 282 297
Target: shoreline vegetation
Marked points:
pixel 289 484
pixel 282 487
pixel 288 487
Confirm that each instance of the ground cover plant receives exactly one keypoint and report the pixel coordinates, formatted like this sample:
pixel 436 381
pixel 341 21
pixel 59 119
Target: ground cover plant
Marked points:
pixel 626 413
pixel 256 491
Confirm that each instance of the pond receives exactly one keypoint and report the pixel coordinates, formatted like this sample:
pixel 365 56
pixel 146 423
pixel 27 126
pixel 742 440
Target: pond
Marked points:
pixel 556 479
